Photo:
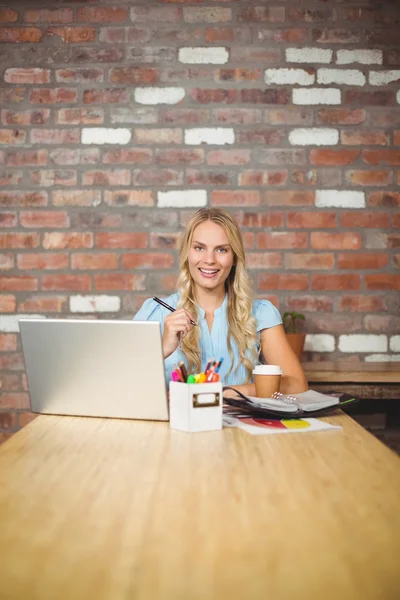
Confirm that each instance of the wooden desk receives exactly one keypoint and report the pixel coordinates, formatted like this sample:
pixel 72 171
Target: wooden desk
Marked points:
pixel 118 510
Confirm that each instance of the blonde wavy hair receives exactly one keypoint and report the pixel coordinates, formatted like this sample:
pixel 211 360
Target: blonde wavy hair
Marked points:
pixel 241 323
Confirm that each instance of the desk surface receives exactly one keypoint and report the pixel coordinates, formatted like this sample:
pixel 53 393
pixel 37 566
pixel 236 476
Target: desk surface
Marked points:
pixel 349 372
pixel 115 510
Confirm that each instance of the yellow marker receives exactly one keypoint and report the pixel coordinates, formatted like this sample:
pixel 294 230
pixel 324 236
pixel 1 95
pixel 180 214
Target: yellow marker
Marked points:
pixel 295 423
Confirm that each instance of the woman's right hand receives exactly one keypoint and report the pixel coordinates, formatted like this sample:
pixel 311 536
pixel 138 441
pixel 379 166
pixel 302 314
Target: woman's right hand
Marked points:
pixel 176 326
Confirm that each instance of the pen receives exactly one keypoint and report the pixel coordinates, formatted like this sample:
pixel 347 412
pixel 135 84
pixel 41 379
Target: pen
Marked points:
pixel 165 305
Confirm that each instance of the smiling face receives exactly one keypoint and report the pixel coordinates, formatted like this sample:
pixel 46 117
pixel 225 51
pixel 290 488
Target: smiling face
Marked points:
pixel 210 257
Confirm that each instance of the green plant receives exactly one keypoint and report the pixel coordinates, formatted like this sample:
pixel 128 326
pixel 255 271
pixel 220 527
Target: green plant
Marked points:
pixel 289 321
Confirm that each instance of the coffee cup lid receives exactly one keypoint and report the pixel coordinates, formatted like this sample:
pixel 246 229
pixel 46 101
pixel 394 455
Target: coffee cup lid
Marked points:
pixel 267 370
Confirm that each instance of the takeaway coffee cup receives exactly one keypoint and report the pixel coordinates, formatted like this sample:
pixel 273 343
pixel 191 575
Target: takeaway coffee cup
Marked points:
pixel 267 379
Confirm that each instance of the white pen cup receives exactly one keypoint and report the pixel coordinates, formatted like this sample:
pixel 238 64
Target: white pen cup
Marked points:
pixel 267 379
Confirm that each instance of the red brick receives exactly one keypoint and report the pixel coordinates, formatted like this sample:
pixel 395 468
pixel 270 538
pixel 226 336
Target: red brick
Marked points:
pixel 203 177
pixel 396 138
pixel 15 400
pixel 25 417
pixel 185 116
pixel 335 282
pixel 158 177
pixel 8 15
pixel 394 240
pixel 378 98
pixel 261 136
pixel 359 138
pixel 311 220
pixel 27 76
pixel 288 115
pixel 282 239
pixel 11 95
pixel 396 260
pixel 133 75
pixel 11 362
pixel 17 35
pixel 293 36
pixel 377 157
pixel 377 323
pixel 96 220
pixel 56 240
pixel 6 262
pixel 382 282
pixel 76 197
pixel 336 36
pixel 8 342
pixel 7 303
pixel 229 157
pixel 73 35
pixel 259 219
pixel 105 178
pixel 134 156
pixel 19 240
pixel 12 136
pixel 171 156
pixel 263 177
pixel 21 283
pixel 335 241
pixel 62 15
pixel 395 221
pixel 261 14
pixel 121 240
pixel 90 261
pixel 288 198
pixel 79 75
pixel 123 35
pixel 67 156
pixel 53 96
pixel 51 177
pixel 44 219
pixel 333 157
pixel 94 55
pixel 263 260
pixel 129 198
pixel 309 261
pixel 42 304
pixel 228 34
pixel 368 177
pixel 362 303
pixel 365 219
pixel 23 199
pixel 236 116
pixel 235 198
pixel 358 262
pixel 10 177
pixel 387 198
pixel 119 282
pixel 106 96
pixel 283 282
pixel 10 382
pixel 26 117
pixel 66 283
pixel 309 15
pixel 96 14
pixel 165 240
pixel 164 283
pixel 8 219
pixel 254 54
pixel 249 239
pixel 27 158
pixel 42 261
pixel 341 116
pixel 209 96
pixel 237 74
pixel 310 303
pixel 55 136
pixel 149 260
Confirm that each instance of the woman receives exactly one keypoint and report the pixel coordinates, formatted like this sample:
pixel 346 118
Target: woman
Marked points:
pixel 214 292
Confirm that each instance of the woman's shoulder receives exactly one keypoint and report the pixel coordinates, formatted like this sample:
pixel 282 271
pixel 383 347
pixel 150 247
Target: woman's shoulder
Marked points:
pixel 151 308
pixel 266 314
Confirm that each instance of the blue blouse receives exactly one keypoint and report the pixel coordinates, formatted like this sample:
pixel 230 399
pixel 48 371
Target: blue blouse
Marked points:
pixel 213 343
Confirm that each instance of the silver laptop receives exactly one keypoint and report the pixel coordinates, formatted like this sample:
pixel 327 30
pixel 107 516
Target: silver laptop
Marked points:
pixel 95 368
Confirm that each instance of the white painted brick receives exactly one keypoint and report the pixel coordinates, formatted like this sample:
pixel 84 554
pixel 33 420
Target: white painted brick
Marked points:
pixel 289 77
pixel 94 304
pixel 364 57
pixel 308 55
pixel 104 135
pixel 209 135
pixel 341 76
pixel 9 323
pixel 217 55
pixel 383 77
pixel 314 136
pixel 339 199
pixel 360 342
pixel 395 343
pixel 182 198
pixel 382 358
pixel 313 96
pixel 398 97
pixel 153 95
pixel 319 342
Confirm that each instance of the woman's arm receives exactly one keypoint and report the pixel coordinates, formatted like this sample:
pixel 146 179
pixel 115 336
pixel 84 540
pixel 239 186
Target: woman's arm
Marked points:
pixel 276 351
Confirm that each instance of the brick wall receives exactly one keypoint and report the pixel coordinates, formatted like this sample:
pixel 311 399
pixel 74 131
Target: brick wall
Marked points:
pixel 119 119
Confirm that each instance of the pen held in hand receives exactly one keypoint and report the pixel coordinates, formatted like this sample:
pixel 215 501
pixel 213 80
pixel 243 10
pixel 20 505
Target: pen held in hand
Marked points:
pixel 168 307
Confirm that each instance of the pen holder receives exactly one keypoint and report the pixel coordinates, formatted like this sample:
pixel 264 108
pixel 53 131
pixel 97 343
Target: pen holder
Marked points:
pixel 195 406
